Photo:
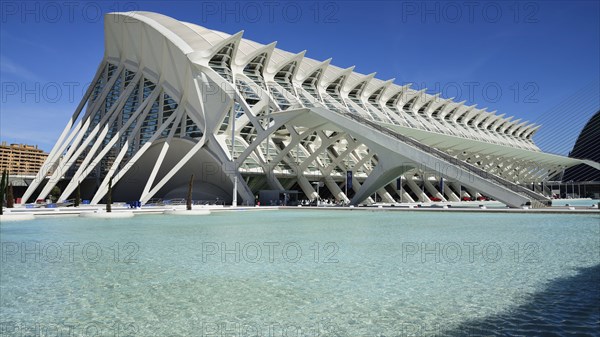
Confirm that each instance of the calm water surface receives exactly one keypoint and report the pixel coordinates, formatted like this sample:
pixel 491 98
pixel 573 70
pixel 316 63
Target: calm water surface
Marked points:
pixel 302 273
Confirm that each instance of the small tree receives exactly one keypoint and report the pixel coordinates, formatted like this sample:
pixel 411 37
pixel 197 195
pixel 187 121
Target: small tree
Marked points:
pixel 3 183
pixel 10 198
pixel 188 204
pixel 77 196
pixel 55 193
pixel 109 196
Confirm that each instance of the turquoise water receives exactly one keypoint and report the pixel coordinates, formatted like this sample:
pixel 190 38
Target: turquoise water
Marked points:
pixel 301 273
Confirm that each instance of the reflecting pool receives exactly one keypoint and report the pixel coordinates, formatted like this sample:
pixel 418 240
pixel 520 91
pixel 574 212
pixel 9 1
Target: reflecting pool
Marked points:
pixel 302 273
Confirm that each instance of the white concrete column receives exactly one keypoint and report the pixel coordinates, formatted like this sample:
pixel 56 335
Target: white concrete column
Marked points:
pixel 417 190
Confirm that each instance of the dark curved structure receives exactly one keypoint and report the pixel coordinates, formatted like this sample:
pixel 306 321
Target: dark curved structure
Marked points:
pixel 586 147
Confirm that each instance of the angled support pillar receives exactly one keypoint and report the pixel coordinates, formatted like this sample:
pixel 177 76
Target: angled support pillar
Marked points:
pixel 307 187
pixel 272 179
pixel 88 164
pixel 61 144
pixel 148 195
pixel 356 185
pixel 432 190
pixel 462 194
pixel 450 195
pixel 231 170
pixel 335 189
pixel 417 190
pixel 76 148
pixel 131 163
pixel 295 143
pixel 163 151
pixel 385 195
pixel 278 121
pixel 243 190
pixel 388 168
pixel 472 192
pixel 405 196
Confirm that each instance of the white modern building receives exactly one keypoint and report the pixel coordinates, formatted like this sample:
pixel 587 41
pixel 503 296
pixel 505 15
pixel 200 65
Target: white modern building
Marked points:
pixel 171 99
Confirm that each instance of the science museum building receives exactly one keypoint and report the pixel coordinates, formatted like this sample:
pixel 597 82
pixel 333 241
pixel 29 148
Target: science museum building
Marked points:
pixel 172 99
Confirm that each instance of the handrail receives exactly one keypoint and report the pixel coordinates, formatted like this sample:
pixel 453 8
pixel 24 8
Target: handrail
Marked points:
pixel 440 154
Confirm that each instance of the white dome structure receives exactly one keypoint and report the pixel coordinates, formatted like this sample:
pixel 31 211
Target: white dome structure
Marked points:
pixel 171 99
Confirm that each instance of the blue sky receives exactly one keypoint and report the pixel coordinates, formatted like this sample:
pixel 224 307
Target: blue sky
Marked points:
pixel 538 61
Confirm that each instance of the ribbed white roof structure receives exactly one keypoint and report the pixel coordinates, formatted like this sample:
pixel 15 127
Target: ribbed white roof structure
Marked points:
pixel 172 98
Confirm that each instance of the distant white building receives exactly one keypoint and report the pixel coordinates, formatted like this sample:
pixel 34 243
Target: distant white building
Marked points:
pixel 171 99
